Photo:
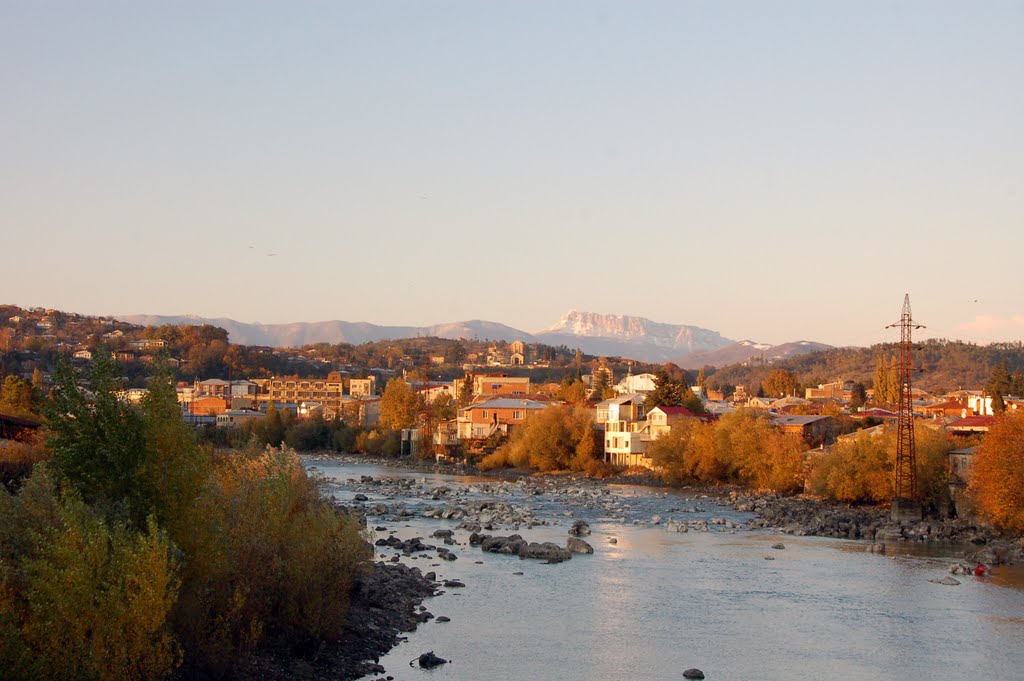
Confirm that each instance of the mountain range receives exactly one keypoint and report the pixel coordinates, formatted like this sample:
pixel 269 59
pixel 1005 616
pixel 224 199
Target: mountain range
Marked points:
pixel 595 334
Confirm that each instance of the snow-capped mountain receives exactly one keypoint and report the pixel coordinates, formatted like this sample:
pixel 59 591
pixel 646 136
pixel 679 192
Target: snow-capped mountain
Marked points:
pixel 626 336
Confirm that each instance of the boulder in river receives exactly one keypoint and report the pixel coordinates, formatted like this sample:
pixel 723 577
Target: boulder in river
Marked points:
pixel 548 551
pixel 693 674
pixel 578 545
pixel 430 660
pixel 579 528
pixel 946 581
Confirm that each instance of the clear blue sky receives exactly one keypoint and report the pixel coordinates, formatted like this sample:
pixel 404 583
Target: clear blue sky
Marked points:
pixel 769 170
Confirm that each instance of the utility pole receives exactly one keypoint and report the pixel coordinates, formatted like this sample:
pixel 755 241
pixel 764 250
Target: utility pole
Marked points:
pixel 904 503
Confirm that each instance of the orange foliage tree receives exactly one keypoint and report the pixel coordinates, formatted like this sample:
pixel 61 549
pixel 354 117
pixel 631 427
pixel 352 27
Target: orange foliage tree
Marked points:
pixel 997 477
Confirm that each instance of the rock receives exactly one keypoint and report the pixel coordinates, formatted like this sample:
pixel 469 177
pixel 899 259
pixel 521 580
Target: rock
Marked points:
pixel 509 546
pixel 578 546
pixel 431 576
pixel 453 583
pixel 579 528
pixel 361 497
pixel 693 674
pixel 779 546
pixel 430 660
pixel 518 574
pixel 769 557
pixel 613 540
pixel 548 551
pixel 442 618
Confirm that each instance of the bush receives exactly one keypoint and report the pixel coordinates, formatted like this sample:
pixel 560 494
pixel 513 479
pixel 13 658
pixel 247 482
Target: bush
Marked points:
pixel 88 599
pixel 274 559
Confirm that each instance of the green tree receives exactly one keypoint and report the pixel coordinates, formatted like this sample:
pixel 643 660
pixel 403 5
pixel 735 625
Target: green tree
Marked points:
pixel 999 384
pixel 98 440
pixel 668 392
pixel 173 469
pixel 399 405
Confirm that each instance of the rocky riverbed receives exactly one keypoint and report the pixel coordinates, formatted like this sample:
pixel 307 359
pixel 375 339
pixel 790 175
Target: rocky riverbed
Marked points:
pixel 459 529
pixel 790 515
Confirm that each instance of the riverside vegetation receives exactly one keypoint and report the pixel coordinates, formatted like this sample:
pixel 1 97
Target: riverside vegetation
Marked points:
pixel 135 554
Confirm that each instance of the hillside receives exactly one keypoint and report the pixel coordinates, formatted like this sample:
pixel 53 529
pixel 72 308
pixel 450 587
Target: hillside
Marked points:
pixel 745 351
pixel 944 365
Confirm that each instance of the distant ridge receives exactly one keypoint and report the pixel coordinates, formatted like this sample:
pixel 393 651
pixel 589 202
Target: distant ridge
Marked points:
pixel 746 350
pixel 595 334
pixel 297 334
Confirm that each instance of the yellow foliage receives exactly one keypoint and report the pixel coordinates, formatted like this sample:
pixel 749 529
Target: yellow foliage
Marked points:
pixel 997 476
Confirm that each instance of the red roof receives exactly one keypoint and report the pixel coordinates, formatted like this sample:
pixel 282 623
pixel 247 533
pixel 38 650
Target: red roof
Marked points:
pixel 876 413
pixel 973 422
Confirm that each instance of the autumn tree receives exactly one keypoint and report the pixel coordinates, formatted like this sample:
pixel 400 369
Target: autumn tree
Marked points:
pixel 399 405
pixel 16 396
pixel 997 476
pixel 780 383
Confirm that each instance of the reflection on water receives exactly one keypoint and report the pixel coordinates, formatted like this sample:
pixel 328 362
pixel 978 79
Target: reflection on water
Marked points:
pixel 658 602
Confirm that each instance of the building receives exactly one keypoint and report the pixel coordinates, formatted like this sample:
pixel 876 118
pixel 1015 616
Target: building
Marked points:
pixel 970 425
pixel 640 383
pixel 837 390
pixel 815 430
pixel 147 344
pixel 661 419
pixel 215 387
pixel 207 405
pixel 517 353
pixel 500 385
pixel 362 387
pixel 327 391
pixel 238 417
pixel 625 430
pixel 499 415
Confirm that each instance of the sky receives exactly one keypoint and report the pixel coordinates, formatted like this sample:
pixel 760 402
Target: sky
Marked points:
pixel 769 170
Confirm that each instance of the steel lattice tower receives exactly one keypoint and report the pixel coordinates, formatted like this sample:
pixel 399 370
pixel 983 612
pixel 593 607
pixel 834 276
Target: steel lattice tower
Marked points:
pixel 905 485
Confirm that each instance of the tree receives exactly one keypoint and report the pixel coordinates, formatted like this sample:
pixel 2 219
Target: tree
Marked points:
pixel 174 469
pixel 399 405
pixel 858 396
pixel 997 476
pixel 16 396
pixel 97 440
pixel 999 384
pixel 668 391
pixel 573 390
pixel 780 383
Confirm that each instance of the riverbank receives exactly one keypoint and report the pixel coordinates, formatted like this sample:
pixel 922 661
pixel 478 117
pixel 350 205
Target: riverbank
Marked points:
pixel 386 603
pixel 795 515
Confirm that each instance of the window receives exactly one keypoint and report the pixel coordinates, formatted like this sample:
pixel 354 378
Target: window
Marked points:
pixel 483 413
pixel 517 415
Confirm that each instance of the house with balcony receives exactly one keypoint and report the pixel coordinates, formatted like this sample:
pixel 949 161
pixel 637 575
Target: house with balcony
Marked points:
pixel 626 434
pixel 499 415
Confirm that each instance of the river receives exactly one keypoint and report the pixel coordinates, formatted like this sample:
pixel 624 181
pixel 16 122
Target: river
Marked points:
pixel 657 602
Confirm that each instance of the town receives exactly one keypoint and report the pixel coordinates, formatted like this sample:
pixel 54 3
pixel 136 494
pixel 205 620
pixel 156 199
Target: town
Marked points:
pixel 400 404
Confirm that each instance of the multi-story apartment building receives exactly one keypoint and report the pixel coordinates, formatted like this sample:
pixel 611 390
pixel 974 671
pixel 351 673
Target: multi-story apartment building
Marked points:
pixel 327 391
pixel 500 384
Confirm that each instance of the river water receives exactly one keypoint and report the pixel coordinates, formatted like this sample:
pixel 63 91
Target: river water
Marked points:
pixel 656 602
